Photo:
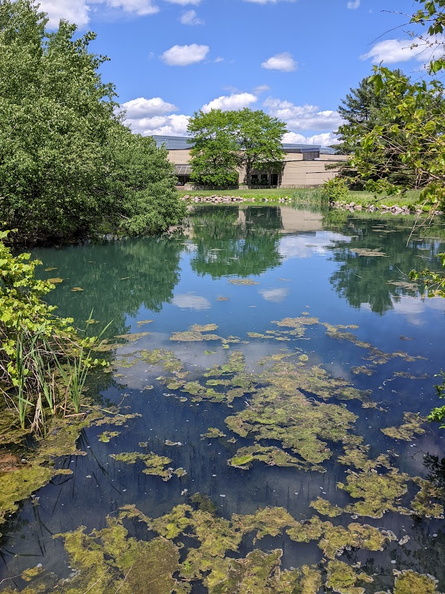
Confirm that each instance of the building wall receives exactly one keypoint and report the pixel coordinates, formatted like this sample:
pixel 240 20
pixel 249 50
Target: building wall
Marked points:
pixel 297 171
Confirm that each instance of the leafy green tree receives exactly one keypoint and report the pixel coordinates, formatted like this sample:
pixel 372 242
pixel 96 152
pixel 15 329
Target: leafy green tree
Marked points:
pixel 226 141
pixel 363 110
pixel 141 185
pixel 408 136
pixel 61 136
pixel 259 137
pixel 214 155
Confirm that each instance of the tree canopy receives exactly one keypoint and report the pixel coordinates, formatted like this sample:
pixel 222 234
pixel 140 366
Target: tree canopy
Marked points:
pixel 64 153
pixel 403 144
pixel 226 141
pixel 379 109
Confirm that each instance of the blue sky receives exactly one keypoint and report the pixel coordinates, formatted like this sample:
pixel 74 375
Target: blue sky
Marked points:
pixel 295 59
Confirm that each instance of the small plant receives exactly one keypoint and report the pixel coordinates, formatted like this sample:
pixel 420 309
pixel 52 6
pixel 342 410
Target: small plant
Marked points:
pixel 335 189
pixel 43 360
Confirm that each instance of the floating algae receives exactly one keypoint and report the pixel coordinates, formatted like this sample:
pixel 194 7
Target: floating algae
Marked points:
pixel 279 411
pixel 272 456
pixel 367 252
pixel 154 464
pixel 408 581
pixel 243 281
pixel 193 336
pixel 111 556
pixel 412 426
pixel 108 560
pixel 213 433
pixel 343 578
pixel 336 539
pixel 39 469
pixel 107 436
pixel 378 493
pixel 425 503
pixel 204 328
pixel 325 508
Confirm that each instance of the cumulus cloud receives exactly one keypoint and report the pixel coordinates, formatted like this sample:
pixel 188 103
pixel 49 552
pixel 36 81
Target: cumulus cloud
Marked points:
pixel 184 2
pixel 283 62
pixel 303 117
pixel 230 102
pixel 307 246
pixel 274 295
pixel 168 125
pixel 189 301
pixel 77 11
pixel 391 51
pixel 324 139
pixel 190 17
pixel 353 4
pixel 74 11
pixel 184 55
pixel 143 108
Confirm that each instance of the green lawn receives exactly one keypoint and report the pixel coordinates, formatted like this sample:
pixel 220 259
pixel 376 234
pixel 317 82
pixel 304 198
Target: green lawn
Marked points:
pixel 308 195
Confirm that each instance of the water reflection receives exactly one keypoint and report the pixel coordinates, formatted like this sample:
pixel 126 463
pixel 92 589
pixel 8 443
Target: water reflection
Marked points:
pixel 116 278
pixel 375 261
pixel 235 241
pixel 309 272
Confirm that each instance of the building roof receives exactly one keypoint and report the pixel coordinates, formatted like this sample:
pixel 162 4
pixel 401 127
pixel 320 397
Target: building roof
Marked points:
pixel 172 143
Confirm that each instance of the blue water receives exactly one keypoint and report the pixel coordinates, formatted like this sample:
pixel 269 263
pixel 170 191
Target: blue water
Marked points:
pixel 301 262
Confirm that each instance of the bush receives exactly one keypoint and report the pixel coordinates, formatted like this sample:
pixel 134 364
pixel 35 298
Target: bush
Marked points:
pixel 335 189
pixel 43 360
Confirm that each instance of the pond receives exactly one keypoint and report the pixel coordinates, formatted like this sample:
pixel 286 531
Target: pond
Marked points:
pixel 273 374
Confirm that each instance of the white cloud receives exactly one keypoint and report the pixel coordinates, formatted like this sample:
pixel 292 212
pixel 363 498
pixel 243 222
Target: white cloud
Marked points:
pixel 324 139
pixel 230 102
pixel 184 2
pixel 184 55
pixel 168 125
pixel 274 295
pixel 140 7
pixel 283 62
pixel 260 89
pixel 190 17
pixel 77 11
pixel 74 11
pixel 306 246
pixel 391 51
pixel 143 108
pixel 188 301
pixel 303 117
pixel 353 4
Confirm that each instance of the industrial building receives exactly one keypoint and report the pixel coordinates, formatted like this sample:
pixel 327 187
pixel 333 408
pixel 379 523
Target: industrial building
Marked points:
pixel 304 165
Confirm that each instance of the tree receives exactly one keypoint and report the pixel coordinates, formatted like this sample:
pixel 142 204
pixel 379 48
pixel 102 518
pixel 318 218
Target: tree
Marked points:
pixel 226 141
pixel 407 140
pixel 365 109
pixel 214 155
pixel 259 137
pixel 58 123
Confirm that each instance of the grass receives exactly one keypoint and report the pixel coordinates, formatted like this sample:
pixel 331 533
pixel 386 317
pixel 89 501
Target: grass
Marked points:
pixel 309 195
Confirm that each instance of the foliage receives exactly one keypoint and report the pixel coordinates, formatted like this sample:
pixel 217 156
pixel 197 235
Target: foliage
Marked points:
pixel 225 141
pixel 214 155
pixel 63 150
pixel 43 361
pixel 378 116
pixel 141 185
pixel 335 189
